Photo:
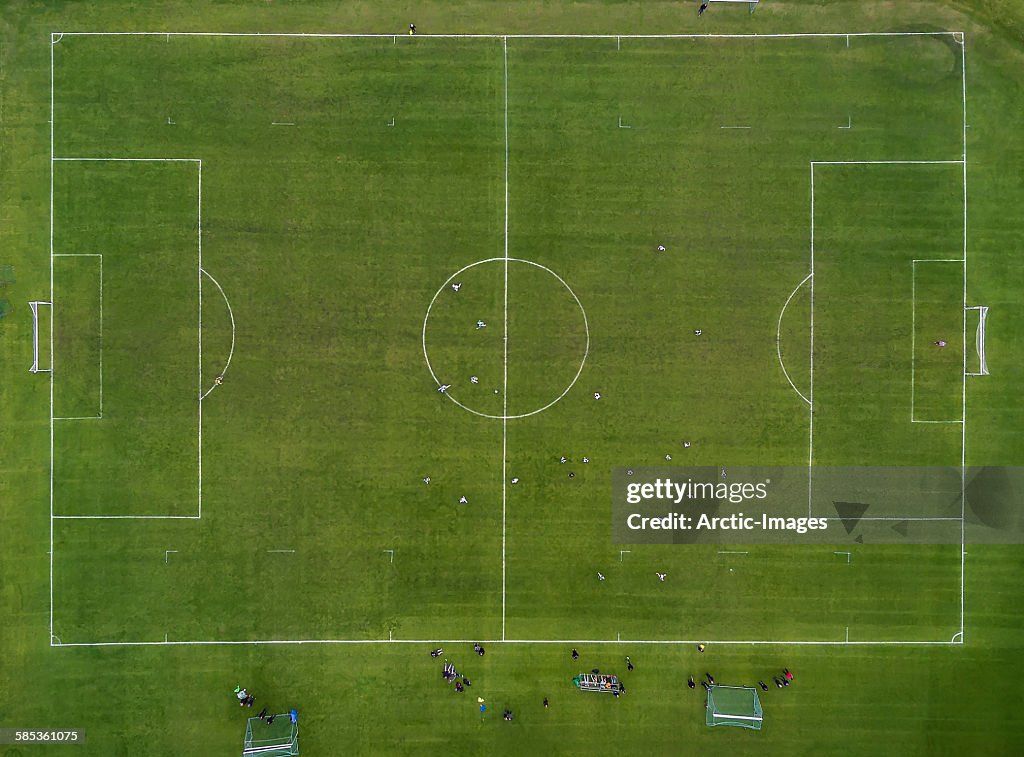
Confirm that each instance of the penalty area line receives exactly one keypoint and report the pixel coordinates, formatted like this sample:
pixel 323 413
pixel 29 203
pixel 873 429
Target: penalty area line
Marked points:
pixel 618 640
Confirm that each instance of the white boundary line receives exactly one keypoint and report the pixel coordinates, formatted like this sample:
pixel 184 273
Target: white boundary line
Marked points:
pixel 810 391
pixel 898 518
pixel 100 256
pixel 504 388
pixel 649 642
pixel 963 411
pixel 126 517
pixel 913 335
pixel 332 35
pixel 53 39
pixel 958 36
pixel 778 338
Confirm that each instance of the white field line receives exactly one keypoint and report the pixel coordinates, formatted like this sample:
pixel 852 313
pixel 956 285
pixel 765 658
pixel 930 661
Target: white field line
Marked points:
pixel 579 304
pixel 652 642
pixel 199 165
pixel 52 39
pixel 913 336
pixel 814 163
pixel 504 391
pixel 963 394
pixel 778 339
pixel 126 517
pixel 386 35
pixel 131 160
pixel 57 36
pixel 898 518
pixel 810 391
pixel 885 162
pixel 199 370
pixel 231 315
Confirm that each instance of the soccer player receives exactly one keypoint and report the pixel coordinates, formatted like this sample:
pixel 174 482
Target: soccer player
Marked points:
pixel 629 664
pixel 437 652
pixel 661 248
pixel 481 325
pixel 763 685
pixel 575 654
pixel 940 343
pixel 661 576
pixel 600 577
pixel 515 480
pixel 426 479
pixel 545 703
pixel 463 500
pixel 788 676
pixel 412 28
pixel 702 9
pixel 777 681
pixel 700 648
pixel 444 388
pixel 711 678
pixel 456 286
pixel 690 682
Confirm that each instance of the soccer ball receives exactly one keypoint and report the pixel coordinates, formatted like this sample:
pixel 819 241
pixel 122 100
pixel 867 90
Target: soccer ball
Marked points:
pixel 597 395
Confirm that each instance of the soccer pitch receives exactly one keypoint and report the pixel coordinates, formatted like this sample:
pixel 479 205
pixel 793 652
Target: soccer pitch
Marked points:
pixel 244 325
pixel 340 341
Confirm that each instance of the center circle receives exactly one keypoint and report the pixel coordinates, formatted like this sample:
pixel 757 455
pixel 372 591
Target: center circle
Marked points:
pixel 506 338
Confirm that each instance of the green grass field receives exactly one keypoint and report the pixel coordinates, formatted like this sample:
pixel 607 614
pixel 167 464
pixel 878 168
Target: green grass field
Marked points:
pixel 250 242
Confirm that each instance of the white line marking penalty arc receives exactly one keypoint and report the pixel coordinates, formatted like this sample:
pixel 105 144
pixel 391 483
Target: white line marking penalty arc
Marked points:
pixel 231 315
pixel 778 338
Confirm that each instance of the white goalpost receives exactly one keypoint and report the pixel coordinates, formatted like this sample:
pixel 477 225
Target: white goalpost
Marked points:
pixel 751 4
pixel 979 341
pixel 34 305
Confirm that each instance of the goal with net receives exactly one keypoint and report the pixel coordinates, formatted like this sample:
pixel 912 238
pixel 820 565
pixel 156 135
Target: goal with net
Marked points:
pixel 734 705
pixel 751 4
pixel 979 341
pixel 279 738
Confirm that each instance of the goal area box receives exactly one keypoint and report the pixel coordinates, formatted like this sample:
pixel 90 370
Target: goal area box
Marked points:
pixel 734 705
pixel 278 739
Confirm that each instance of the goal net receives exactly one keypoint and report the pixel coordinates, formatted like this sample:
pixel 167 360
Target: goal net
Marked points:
pixel 278 739
pixel 751 4
pixel 34 306
pixel 979 341
pixel 734 705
